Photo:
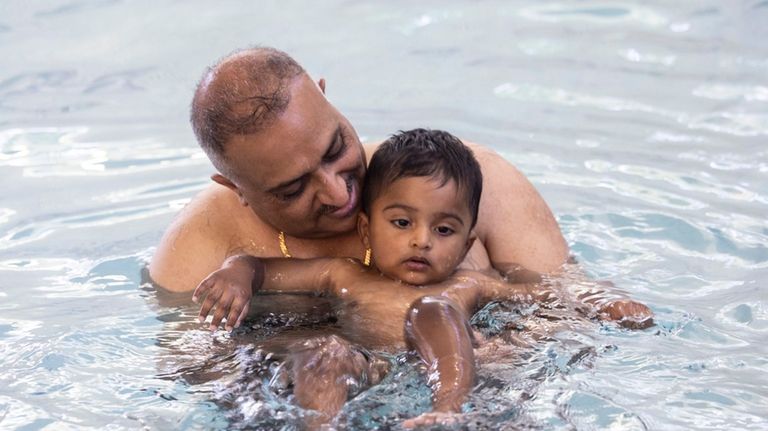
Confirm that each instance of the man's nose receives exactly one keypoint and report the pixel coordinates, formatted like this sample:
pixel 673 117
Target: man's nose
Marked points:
pixel 333 190
pixel 421 238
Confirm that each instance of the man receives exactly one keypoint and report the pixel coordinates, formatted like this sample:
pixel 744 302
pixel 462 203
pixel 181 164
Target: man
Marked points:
pixel 290 168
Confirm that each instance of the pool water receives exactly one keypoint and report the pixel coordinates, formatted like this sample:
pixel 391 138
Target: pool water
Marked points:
pixel 642 123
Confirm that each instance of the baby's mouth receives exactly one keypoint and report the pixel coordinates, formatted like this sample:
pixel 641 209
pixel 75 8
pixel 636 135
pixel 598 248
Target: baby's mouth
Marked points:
pixel 416 263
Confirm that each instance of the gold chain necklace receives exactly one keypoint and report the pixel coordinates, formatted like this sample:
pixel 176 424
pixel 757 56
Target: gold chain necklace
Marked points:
pixel 286 253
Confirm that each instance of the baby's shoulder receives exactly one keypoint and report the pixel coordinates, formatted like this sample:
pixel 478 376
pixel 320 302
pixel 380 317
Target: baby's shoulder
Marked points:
pixel 347 269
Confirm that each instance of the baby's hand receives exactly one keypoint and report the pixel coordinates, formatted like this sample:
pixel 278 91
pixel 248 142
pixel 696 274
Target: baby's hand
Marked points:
pixel 627 313
pixel 433 418
pixel 229 291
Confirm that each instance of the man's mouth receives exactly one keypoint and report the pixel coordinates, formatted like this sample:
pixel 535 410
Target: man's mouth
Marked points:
pixel 417 263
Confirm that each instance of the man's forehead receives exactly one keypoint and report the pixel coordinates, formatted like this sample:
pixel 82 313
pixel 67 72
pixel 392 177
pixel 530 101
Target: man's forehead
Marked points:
pixel 271 159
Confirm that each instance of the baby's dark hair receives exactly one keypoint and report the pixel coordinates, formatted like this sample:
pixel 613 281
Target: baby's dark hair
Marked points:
pixel 424 153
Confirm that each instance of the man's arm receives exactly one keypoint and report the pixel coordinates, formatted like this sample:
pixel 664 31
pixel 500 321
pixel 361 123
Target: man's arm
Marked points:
pixel 600 299
pixel 515 225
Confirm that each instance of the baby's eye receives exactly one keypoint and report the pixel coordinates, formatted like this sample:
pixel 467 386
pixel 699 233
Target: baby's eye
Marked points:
pixel 444 230
pixel 401 223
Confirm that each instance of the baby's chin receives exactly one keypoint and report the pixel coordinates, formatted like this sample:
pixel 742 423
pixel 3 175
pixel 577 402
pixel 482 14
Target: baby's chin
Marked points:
pixel 414 278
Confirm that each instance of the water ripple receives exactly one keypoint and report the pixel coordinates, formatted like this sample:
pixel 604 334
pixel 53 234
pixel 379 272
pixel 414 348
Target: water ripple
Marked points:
pixel 6 214
pixel 76 6
pixel 57 152
pixel 751 316
pixel 726 91
pixel 729 161
pixel 690 182
pixel 595 13
pixel 34 83
pixel 168 188
pixel 35 231
pixel 731 123
pixel 624 188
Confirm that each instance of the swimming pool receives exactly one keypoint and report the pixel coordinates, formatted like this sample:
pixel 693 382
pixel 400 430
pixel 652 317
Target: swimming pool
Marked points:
pixel 643 124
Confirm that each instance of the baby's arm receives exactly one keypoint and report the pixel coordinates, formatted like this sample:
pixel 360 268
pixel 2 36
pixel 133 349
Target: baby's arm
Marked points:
pixel 438 329
pixel 230 288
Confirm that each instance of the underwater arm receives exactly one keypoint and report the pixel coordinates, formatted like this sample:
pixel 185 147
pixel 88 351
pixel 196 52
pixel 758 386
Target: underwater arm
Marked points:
pixel 599 299
pixel 602 299
pixel 229 289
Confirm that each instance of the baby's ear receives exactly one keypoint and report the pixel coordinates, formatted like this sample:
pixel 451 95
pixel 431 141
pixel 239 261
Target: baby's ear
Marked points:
pixel 362 228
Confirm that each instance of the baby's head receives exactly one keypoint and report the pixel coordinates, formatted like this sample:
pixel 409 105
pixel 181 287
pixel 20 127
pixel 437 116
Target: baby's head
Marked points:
pixel 420 202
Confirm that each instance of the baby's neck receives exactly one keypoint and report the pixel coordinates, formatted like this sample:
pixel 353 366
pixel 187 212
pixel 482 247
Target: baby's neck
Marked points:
pixel 417 286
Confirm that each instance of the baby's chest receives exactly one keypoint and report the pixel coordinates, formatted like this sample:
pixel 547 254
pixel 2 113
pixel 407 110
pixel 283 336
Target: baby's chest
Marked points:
pixel 377 324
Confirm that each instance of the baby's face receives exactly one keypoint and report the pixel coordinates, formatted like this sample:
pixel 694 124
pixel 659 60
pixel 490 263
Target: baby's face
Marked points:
pixel 418 231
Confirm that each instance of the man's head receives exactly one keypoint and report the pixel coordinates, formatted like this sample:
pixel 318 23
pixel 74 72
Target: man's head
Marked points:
pixel 278 143
pixel 420 203
pixel 241 95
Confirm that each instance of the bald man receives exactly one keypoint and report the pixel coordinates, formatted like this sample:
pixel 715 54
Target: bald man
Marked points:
pixel 289 171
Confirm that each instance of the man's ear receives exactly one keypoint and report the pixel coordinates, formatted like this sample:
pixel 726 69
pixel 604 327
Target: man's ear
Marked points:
pixel 363 229
pixel 226 182
pixel 321 84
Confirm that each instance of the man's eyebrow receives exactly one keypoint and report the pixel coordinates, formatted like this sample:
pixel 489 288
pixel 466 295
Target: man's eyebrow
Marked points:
pixel 336 135
pixel 439 215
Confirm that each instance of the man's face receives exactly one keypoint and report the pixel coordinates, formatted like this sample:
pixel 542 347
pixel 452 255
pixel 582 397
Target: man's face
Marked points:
pixel 418 231
pixel 303 173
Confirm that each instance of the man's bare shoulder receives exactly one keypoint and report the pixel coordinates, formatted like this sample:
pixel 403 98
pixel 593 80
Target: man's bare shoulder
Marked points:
pixel 515 224
pixel 201 236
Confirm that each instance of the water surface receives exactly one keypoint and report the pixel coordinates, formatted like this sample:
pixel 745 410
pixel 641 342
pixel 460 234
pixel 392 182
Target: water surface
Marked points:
pixel 643 125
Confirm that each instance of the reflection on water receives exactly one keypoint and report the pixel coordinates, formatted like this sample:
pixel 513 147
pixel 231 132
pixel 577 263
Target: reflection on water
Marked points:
pixel 643 124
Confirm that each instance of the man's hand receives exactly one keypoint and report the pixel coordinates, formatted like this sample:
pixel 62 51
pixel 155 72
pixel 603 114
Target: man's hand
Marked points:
pixel 627 313
pixel 228 290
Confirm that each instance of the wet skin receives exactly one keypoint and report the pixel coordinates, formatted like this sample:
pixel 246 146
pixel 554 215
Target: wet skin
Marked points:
pixel 303 174
pixel 419 229
pixel 290 177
